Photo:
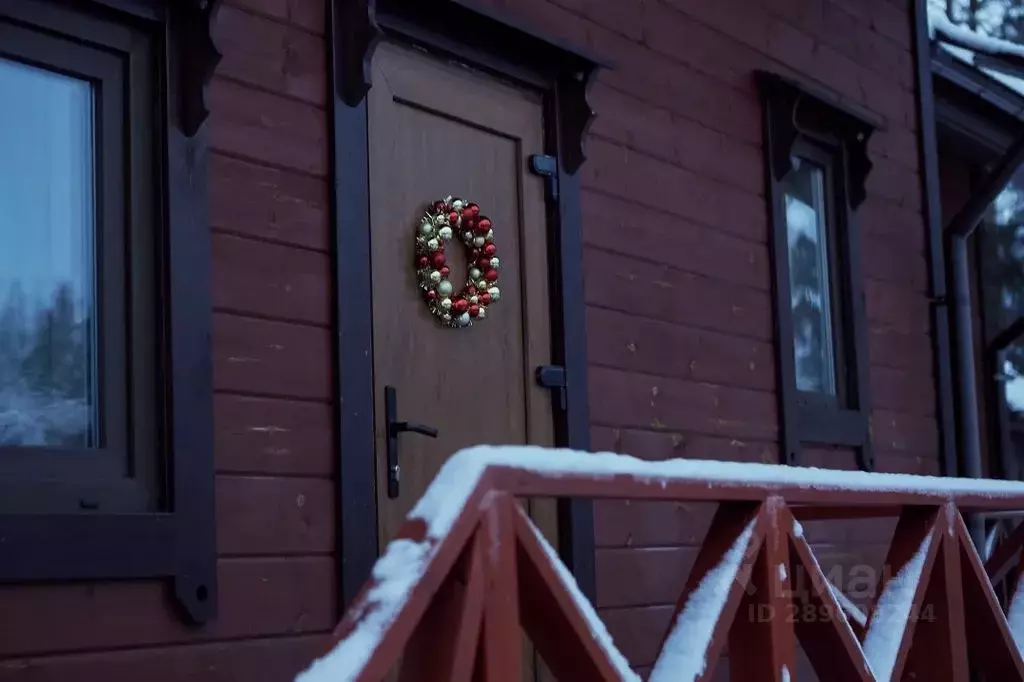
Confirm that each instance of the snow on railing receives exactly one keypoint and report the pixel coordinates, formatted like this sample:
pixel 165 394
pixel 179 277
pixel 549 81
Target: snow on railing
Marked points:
pixel 450 596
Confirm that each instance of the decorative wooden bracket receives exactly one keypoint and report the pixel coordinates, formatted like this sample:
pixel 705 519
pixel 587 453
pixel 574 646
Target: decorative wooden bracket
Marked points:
pixel 800 110
pixel 198 55
pixel 359 25
pixel 356 35
pixel 575 116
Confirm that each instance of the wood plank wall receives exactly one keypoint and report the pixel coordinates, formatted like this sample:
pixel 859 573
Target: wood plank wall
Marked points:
pixel 677 263
pixel 678 310
pixel 275 495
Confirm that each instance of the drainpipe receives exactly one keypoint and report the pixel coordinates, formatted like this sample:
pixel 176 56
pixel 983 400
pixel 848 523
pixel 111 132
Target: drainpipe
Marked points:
pixel 928 150
pixel 958 232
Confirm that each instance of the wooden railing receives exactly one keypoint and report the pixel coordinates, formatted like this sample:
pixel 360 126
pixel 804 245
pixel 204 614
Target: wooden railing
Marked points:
pixel 469 574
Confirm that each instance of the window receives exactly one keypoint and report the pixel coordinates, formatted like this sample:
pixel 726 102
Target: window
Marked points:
pixel 1000 278
pixel 810 273
pixel 817 162
pixel 105 443
pixel 77 272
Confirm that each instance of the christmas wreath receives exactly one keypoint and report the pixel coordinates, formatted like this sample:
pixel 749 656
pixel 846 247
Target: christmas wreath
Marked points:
pixel 440 223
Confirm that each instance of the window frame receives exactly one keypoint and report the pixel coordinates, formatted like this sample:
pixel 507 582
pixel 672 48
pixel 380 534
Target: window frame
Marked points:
pixel 804 121
pixel 126 397
pixel 164 219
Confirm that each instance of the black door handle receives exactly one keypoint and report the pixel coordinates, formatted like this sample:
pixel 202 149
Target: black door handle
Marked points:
pixel 395 427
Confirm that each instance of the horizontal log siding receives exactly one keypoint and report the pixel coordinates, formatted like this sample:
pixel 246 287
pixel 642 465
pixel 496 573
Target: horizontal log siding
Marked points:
pixel 678 277
pixel 272 402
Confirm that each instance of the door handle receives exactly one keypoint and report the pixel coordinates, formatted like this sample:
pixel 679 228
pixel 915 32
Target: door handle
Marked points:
pixel 395 427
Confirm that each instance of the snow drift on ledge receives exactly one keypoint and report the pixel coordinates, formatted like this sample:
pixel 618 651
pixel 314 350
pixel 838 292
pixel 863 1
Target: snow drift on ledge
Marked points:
pixel 404 562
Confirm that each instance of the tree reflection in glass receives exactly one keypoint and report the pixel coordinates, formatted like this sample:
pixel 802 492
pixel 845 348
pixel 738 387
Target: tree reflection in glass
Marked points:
pixel 48 366
pixel 809 278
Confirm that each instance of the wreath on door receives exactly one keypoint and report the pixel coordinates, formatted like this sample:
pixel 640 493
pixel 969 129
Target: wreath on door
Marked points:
pixel 441 222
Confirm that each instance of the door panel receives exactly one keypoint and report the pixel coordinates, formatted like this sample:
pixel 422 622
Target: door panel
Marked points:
pixel 438 129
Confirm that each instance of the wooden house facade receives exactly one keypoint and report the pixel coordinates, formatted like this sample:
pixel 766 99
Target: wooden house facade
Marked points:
pixel 267 392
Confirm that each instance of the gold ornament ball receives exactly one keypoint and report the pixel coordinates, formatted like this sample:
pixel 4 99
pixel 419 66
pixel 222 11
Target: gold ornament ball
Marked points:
pixel 432 244
pixel 435 276
pixel 440 220
pixel 474 299
pixel 446 303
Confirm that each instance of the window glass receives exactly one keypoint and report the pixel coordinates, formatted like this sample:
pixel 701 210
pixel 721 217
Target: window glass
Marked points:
pixel 1002 257
pixel 48 338
pixel 809 278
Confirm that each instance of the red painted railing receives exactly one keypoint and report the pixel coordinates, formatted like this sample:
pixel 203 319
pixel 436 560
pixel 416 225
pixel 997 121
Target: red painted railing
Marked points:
pixel 469 574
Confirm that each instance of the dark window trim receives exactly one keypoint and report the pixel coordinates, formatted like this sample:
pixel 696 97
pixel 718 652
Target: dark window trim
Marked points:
pixel 800 119
pixel 26 483
pixel 500 46
pixel 177 543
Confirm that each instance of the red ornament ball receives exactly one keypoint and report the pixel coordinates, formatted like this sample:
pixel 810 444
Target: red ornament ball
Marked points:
pixel 468 223
pixel 460 305
pixel 485 299
pixel 430 294
pixel 423 261
pixel 492 275
pixel 437 259
pixel 490 249
pixel 483 225
pixel 484 262
pixel 453 217
pixel 471 290
pixel 438 205
pixel 445 271
pixel 473 210
pixel 474 310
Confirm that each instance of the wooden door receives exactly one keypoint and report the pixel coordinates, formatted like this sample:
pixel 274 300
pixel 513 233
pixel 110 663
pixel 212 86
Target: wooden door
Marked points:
pixel 437 129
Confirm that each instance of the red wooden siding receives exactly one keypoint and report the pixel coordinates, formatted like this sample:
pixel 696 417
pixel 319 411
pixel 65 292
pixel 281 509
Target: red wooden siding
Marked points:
pixel 275 495
pixel 677 263
pixel 679 316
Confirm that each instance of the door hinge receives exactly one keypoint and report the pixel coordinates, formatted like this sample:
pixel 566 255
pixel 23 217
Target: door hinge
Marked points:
pixel 547 167
pixel 552 377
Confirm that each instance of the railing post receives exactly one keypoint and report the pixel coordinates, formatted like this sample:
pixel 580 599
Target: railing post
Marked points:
pixel 938 650
pixel 762 642
pixel 501 640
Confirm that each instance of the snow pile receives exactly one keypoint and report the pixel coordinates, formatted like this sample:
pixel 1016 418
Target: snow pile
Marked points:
pixel 597 627
pixel 965 43
pixel 460 473
pixel 892 613
pixel 1015 616
pixel 684 656
pixel 846 607
pixel 34 418
pixel 939 23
